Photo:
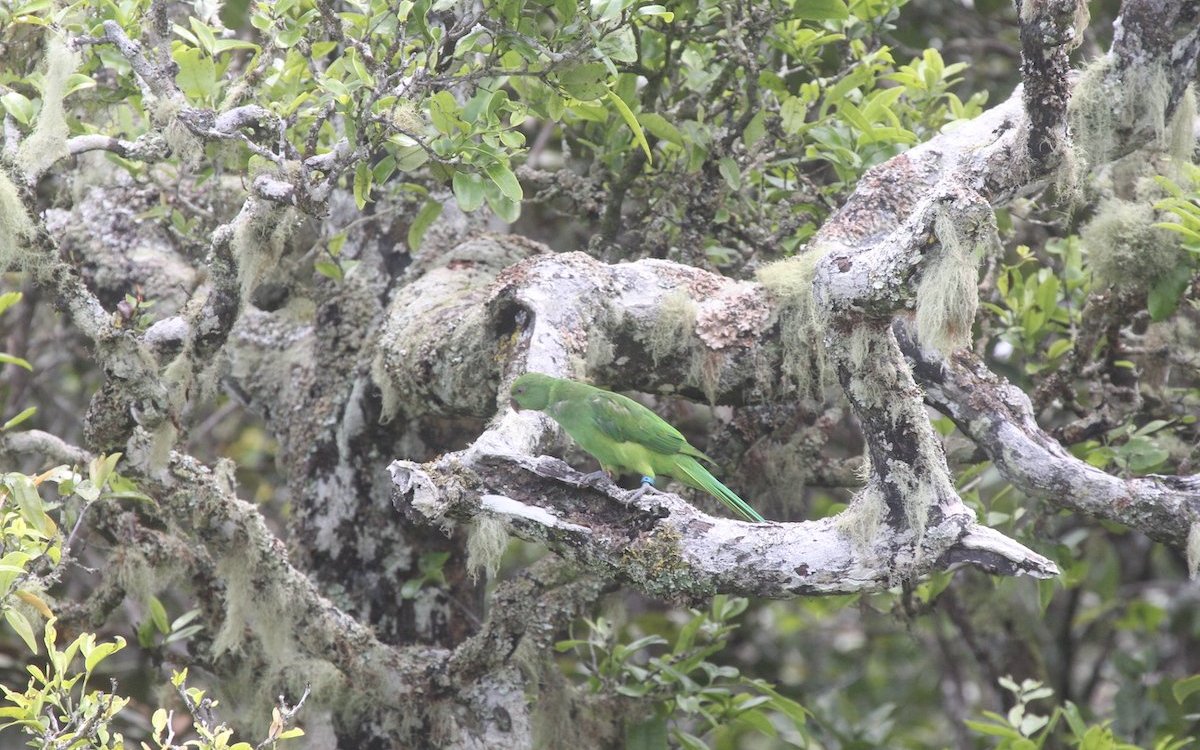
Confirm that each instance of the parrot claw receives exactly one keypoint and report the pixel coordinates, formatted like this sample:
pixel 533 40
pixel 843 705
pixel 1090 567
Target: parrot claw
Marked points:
pixel 647 487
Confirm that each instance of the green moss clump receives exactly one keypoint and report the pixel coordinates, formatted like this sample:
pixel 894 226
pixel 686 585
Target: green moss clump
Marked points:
pixel 1125 249
pixel 657 562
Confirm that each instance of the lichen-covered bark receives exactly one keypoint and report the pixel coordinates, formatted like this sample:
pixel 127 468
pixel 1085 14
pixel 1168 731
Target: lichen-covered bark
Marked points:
pixel 402 362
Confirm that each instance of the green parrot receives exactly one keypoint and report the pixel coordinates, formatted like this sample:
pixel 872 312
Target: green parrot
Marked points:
pixel 622 434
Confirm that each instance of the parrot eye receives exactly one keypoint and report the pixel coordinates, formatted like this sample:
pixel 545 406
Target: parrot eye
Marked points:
pixel 521 389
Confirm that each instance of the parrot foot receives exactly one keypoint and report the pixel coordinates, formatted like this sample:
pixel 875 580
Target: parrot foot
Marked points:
pixel 647 487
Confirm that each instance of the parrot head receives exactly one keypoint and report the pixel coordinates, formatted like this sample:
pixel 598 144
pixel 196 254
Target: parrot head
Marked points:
pixel 531 391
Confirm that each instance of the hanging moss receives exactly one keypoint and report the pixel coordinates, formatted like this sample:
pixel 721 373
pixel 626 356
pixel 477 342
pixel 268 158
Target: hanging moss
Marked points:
pixel 48 141
pixel 1181 132
pixel 861 520
pixel 675 323
pixel 948 294
pixel 259 234
pixel 15 226
pixel 801 328
pixel 1107 103
pixel 486 545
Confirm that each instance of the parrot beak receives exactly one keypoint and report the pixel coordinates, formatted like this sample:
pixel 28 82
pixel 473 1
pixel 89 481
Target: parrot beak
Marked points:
pixel 515 406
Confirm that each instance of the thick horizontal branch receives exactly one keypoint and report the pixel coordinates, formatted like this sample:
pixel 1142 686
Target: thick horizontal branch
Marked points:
pixel 1000 419
pixel 667 548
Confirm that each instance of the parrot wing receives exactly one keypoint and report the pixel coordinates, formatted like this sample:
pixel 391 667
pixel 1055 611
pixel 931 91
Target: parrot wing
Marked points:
pixel 626 421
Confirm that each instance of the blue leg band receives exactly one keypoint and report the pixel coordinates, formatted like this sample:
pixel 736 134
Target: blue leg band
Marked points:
pixel 648 480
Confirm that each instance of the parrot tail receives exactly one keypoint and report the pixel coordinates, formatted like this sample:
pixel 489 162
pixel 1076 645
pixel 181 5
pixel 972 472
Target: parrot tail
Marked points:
pixel 695 475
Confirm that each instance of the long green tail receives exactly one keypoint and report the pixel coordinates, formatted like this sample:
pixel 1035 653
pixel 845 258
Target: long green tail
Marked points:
pixel 693 474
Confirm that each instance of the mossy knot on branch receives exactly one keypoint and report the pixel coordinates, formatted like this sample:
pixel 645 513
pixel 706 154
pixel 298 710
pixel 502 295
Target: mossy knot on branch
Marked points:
pixel 1126 250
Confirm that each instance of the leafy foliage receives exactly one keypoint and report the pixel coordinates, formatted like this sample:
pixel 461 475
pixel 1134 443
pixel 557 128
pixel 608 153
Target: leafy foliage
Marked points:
pixel 1023 728
pixel 693 698
pixel 718 133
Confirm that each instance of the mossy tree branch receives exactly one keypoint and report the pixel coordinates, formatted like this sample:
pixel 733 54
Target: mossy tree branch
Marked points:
pixel 999 417
pixel 668 549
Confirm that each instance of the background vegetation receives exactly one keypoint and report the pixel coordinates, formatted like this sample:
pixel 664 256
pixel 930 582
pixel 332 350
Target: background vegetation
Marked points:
pixel 576 125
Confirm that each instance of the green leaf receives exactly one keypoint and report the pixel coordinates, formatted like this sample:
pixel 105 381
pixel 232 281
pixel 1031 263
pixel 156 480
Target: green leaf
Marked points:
pixel 424 219
pixel 158 615
pixel 1165 294
pixel 411 587
pixel 409 155
pixel 20 625
pixel 8 299
pixel 8 359
pixel 197 76
pixel 1058 348
pixel 508 210
pixel 632 122
pixel 619 45
pixel 204 35
pixel 29 501
pixel 362 185
pixel 656 10
pixel 158 721
pixel 19 106
pixel 1046 589
pixel 729 170
pixel 759 721
pixel 503 177
pixel 586 81
pixel 1078 726
pixel 755 129
pixel 101 652
pixel 1184 688
pixel 443 111
pixel 25 414
pixel 468 190
pixel 329 269
pixel 1047 294
pixel 792 115
pixel 650 734
pixel 690 741
pixel 995 730
pixel 102 467
pixel 418 18
pixel 660 127
pixel 360 70
pixel 821 10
